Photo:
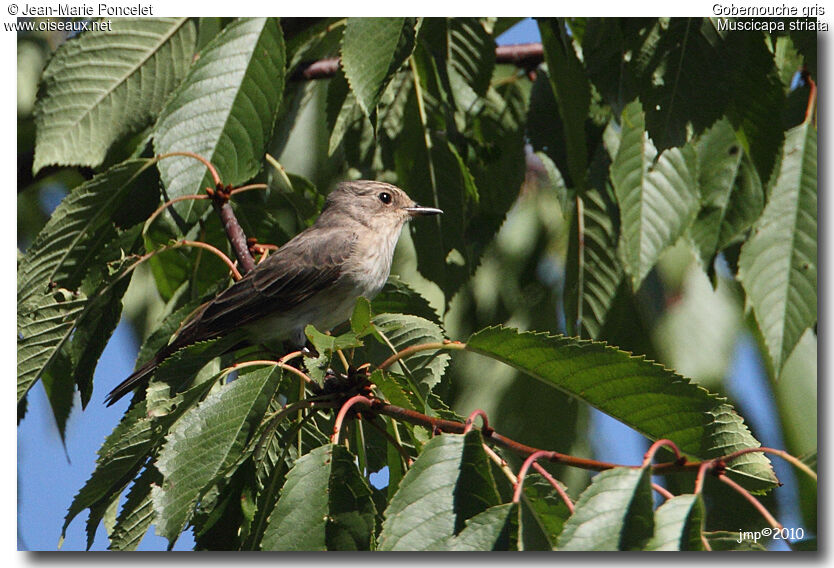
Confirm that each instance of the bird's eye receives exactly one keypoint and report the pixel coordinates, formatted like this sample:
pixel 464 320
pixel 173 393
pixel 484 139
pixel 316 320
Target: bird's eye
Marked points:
pixel 385 197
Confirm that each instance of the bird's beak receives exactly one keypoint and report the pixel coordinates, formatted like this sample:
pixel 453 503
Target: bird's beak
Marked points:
pixel 420 210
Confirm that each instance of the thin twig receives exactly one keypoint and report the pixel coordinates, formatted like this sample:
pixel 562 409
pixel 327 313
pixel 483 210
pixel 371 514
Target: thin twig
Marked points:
pixel 662 490
pixel 340 418
pixel 756 504
pixel 796 462
pixel 522 473
pixel 556 485
pixel 409 351
pixel 470 421
pixel 649 455
pixel 198 157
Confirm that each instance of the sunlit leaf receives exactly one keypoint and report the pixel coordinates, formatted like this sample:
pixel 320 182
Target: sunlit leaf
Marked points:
pixel 642 394
pixel 137 63
pixel 613 513
pixel 778 264
pixel 325 505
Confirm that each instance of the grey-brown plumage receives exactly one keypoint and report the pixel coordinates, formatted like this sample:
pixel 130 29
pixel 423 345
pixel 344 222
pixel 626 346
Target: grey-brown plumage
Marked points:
pixel 315 278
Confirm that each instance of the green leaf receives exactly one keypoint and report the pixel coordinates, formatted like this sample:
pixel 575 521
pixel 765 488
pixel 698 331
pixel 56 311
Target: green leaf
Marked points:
pixel 330 343
pixel 120 458
pixel 593 272
pixel 224 110
pixel 404 330
pixel 470 61
pixel 642 394
pixel 494 529
pixel 137 514
pixel 397 297
pixel 613 513
pixel 205 443
pixel 105 85
pixel 658 196
pixel 360 320
pixel 728 540
pixel 678 523
pixel 778 264
pixel 448 484
pixel 731 193
pixel 78 229
pixel 372 51
pixel 544 509
pixel 325 505
pixel 673 73
pixel 572 91
pixel 753 80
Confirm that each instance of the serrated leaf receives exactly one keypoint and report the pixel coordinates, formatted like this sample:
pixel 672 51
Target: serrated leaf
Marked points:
pixel 678 523
pixel 120 458
pixel 613 513
pixel 593 272
pixel 78 323
pixel 640 393
pixel 224 110
pixel 395 389
pixel 184 369
pixel 470 61
pixel 404 330
pixel 397 297
pixel 64 276
pixel 731 193
pixel 753 80
pixel 205 443
pixel 137 514
pixel 778 264
pixel 658 196
pixel 330 343
pixel 105 85
pixel 325 505
pixel 125 451
pixel 572 92
pixel 372 51
pixel 448 484
pixel 77 229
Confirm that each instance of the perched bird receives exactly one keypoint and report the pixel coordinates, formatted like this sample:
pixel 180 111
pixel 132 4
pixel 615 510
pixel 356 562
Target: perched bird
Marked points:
pixel 315 278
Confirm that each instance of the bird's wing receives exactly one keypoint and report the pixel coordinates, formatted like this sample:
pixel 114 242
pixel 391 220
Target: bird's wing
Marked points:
pixel 305 265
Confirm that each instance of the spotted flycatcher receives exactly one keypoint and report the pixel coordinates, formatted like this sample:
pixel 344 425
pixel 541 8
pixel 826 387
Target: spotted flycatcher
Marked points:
pixel 313 279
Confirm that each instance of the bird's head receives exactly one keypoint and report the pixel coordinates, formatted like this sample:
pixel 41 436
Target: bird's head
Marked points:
pixel 378 205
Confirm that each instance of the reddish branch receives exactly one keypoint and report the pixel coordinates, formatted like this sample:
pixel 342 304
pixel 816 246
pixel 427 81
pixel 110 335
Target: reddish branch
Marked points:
pixel 220 199
pixel 525 55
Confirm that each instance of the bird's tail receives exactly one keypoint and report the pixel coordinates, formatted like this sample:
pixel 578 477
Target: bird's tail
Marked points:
pixel 139 376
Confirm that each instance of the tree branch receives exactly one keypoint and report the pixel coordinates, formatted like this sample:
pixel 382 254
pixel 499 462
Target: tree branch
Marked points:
pixel 524 55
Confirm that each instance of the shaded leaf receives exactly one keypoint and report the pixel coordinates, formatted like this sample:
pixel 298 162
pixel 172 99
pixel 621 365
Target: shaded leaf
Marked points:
pixel 493 529
pixel 572 93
